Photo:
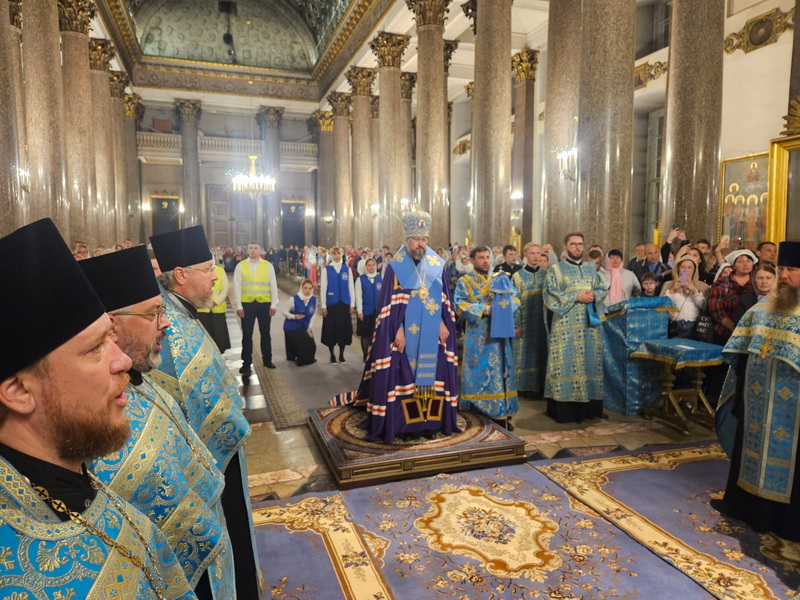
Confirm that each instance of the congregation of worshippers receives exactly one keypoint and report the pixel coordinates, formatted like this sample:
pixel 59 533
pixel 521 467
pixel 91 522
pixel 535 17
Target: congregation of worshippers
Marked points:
pixel 122 428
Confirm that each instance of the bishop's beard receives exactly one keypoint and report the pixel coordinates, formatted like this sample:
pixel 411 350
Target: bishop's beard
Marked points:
pixel 787 298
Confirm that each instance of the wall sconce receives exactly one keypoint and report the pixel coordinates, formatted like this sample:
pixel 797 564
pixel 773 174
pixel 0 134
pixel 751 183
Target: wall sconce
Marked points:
pixel 404 202
pixel 375 208
pixel 327 219
pixel 24 179
pixel 181 209
pixel 146 206
pixel 310 213
pixel 516 195
pixel 567 163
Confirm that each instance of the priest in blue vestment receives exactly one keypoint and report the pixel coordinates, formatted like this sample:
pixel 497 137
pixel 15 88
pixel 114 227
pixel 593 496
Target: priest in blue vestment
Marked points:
pixel 410 382
pixel 195 374
pixel 574 381
pixel 164 469
pixel 487 305
pixel 530 343
pixel 761 392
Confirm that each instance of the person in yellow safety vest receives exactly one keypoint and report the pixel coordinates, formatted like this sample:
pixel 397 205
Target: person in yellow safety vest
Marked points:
pixel 255 292
pixel 214 319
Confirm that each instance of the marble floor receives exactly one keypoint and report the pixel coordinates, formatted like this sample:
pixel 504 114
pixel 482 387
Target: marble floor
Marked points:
pixel 283 463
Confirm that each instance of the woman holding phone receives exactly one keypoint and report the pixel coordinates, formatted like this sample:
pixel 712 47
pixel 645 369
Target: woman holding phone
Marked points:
pixel 688 293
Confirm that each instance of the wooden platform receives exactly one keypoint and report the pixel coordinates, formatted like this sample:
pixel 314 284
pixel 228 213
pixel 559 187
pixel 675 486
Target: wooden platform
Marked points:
pixel 355 462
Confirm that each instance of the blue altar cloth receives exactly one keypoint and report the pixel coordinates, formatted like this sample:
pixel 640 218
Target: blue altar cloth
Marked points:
pixel 630 385
pixel 679 352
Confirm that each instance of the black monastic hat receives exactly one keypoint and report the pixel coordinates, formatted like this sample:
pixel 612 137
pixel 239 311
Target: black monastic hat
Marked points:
pixel 50 300
pixel 122 278
pixel 789 254
pixel 181 248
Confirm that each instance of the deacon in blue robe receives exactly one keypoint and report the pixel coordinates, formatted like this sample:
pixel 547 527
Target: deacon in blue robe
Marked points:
pixel 488 381
pixel 574 381
pixel 530 344
pixel 761 392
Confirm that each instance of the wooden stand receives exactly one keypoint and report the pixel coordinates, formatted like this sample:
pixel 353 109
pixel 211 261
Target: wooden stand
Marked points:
pixel 678 406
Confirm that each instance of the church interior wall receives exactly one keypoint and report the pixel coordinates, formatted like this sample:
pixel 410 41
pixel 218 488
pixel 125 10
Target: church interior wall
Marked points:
pixel 639 179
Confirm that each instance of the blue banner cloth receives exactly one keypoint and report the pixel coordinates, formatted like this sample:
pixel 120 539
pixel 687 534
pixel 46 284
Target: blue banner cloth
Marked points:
pixel 502 321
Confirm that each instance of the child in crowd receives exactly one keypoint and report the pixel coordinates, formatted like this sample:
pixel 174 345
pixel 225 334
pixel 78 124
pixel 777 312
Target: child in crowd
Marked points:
pixel 649 284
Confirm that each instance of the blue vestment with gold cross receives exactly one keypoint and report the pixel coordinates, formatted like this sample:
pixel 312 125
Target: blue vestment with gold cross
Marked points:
pixel 488 381
pixel 575 358
pixel 42 556
pixel 766 391
pixel 414 390
pixel 530 350
pixel 166 472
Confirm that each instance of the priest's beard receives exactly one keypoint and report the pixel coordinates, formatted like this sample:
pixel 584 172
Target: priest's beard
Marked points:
pixel 787 298
pixel 144 358
pixel 80 434
pixel 417 254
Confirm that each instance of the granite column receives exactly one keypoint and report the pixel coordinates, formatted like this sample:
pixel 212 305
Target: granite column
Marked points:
pixel 491 133
pixel 407 84
pixel 522 209
pixel 375 136
pixel 75 18
pixel 269 118
pixel 326 179
pixel 101 216
pixel 693 119
pixel 605 125
pixel 561 215
pixel 190 112
pixel 450 47
pixel 119 81
pixel 44 112
pixel 343 195
pixel 431 125
pixel 11 216
pixel 18 85
pixel 361 80
pixel 389 48
pixel 134 112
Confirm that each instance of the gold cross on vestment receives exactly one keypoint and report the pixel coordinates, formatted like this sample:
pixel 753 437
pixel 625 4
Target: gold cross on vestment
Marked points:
pixel 765 348
pixel 504 303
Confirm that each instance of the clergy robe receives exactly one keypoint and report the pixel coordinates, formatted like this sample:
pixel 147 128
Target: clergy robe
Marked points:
pixel 43 556
pixel 575 358
pixel 389 386
pixel 530 350
pixel 762 391
pixel 195 374
pixel 166 472
pixel 488 382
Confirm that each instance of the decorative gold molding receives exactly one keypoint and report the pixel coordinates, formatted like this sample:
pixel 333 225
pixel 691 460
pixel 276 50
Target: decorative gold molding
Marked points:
pixel 270 117
pixel 462 147
pixel 778 189
pixel 342 34
pixel 449 113
pixel 524 64
pixel 760 31
pixel 470 8
pixel 340 103
pixel 118 81
pixel 429 12
pixel 189 110
pixel 134 108
pixel 15 13
pixel 100 54
pixel 375 107
pixel 793 118
pixel 360 80
pixel 645 73
pixel 449 49
pixel 407 83
pixel 323 119
pixel 389 48
pixel 76 15
pixel 470 87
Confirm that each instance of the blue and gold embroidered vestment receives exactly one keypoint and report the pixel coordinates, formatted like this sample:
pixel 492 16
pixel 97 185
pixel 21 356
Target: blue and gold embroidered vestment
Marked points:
pixel 42 556
pixel 167 473
pixel 530 350
pixel 488 382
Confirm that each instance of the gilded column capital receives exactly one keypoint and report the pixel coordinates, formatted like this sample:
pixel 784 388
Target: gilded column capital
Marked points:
pixel 270 116
pixel 189 110
pixel 524 64
pixel 340 103
pixel 323 120
pixel 100 54
pixel 375 107
pixel 389 48
pixel 470 8
pixel 15 13
pixel 407 83
pixel 118 81
pixel 76 15
pixel 429 12
pixel 134 109
pixel 470 87
pixel 360 80
pixel 449 49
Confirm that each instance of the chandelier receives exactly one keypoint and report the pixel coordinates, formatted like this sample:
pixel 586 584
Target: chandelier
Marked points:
pixel 253 183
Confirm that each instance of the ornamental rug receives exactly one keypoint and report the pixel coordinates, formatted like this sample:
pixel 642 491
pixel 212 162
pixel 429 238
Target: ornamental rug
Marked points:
pixel 660 497
pixel 495 534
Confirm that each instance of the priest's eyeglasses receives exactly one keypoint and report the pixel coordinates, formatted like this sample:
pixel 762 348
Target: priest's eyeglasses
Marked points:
pixel 207 271
pixel 151 316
